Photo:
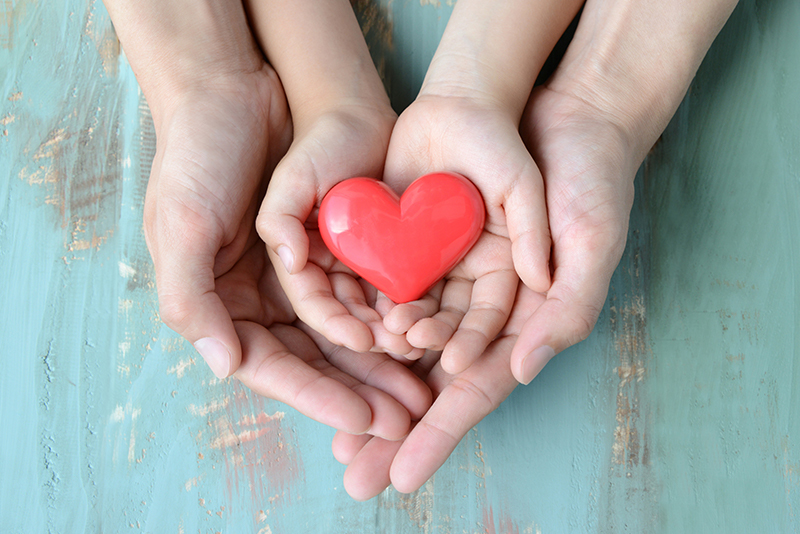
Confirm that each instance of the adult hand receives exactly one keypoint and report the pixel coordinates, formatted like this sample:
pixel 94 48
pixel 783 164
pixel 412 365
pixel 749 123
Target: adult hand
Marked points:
pixel 461 401
pixel 222 122
pixel 589 128
pixel 588 165
pixel 284 359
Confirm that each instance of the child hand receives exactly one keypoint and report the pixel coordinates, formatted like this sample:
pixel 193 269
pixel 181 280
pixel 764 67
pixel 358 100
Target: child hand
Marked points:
pixel 340 144
pixel 477 138
pixel 342 123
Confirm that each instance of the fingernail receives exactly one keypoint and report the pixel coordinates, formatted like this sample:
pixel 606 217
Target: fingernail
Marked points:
pixel 286 256
pixel 535 362
pixel 215 354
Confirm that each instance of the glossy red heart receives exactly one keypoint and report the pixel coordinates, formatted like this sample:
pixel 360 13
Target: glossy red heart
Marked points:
pixel 402 245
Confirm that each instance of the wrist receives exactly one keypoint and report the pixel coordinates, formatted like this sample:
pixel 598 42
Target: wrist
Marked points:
pixel 319 52
pixel 356 89
pixel 178 46
pixel 460 77
pixel 493 52
pixel 634 62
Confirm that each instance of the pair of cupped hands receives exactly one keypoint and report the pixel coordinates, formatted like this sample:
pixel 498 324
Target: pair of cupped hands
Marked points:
pixel 243 274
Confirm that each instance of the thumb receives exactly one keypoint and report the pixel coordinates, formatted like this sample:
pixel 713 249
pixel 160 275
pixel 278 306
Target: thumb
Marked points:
pixel 528 229
pixel 281 221
pixel 188 303
pixel 569 313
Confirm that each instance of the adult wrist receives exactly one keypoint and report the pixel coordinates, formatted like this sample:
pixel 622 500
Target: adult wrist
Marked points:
pixel 176 46
pixel 634 61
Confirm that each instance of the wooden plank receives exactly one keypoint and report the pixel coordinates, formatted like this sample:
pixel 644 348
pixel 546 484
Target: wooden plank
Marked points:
pixel 678 414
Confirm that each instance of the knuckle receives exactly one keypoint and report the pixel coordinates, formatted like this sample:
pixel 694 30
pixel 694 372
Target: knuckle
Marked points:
pixel 175 312
pixel 583 322
pixel 474 395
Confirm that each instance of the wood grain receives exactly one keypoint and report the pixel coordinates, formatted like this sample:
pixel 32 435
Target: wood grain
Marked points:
pixel 679 414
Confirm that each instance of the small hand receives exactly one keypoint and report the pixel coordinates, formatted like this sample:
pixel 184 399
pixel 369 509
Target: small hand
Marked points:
pixel 347 142
pixel 588 164
pixel 477 139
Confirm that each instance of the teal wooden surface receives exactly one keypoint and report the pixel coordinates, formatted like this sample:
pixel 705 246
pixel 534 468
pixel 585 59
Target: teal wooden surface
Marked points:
pixel 679 414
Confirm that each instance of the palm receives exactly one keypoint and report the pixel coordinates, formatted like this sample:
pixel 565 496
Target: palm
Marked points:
pixel 214 148
pixel 585 167
pixel 478 141
pixel 588 167
pixel 285 360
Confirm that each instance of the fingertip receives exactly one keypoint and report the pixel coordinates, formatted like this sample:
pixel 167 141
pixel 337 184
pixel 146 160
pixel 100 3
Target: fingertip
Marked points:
pixel 348 331
pixel 451 365
pixel 286 237
pixel 395 322
pixel 346 446
pixel 532 263
pixel 390 420
pixel 286 256
pixel 404 316
pixel 429 333
pixel 216 355
pixel 532 364
pixel 205 322
pixel 368 474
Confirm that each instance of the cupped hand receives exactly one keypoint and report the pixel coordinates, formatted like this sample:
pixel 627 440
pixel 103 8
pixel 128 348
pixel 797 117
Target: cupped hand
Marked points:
pixel 215 142
pixel 346 142
pixel 461 401
pixel 588 163
pixel 285 360
pixel 476 138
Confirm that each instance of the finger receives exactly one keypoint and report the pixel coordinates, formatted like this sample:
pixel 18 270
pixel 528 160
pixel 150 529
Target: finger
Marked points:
pixel 572 307
pixel 399 318
pixel 188 302
pixel 346 446
pixel 528 229
pixel 390 420
pixel 492 297
pixel 312 298
pixel 462 403
pixel 290 198
pixel 272 370
pixel 433 333
pixel 368 473
pixel 350 293
pixel 378 371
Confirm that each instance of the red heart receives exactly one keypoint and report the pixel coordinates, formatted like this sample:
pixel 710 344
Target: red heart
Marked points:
pixel 402 246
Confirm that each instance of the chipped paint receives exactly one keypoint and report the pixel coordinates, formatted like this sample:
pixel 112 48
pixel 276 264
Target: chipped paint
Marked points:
pixel 437 3
pixel 179 369
pixel 679 414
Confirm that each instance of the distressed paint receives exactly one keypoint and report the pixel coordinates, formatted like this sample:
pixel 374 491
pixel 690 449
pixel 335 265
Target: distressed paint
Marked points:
pixel 678 414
